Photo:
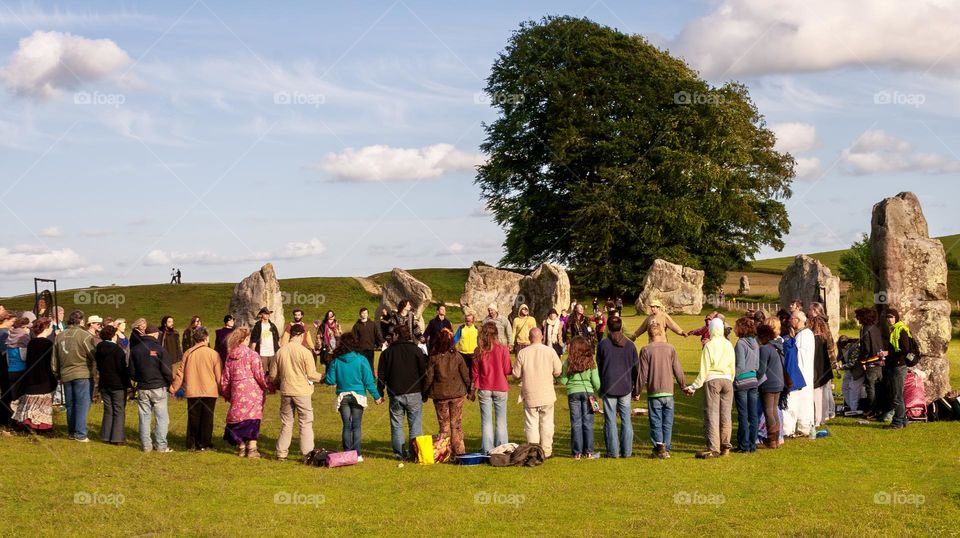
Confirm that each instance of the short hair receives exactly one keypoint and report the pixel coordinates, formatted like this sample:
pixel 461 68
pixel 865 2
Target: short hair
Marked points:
pixel 227 318
pixel 362 310
pixel 108 332
pixel 296 330
pixel 615 325
pixel 800 315
pixel 295 310
pixel 656 328
pixel 773 323
pixel 200 334
pixel 745 327
pixel 766 333
pixel 76 318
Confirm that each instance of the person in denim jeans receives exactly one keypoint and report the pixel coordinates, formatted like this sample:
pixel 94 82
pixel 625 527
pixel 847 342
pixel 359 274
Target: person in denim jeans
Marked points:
pixel 582 379
pixel 895 367
pixel 659 366
pixel 619 367
pixel 73 365
pixel 747 362
pixel 152 369
pixel 401 372
pixel 489 371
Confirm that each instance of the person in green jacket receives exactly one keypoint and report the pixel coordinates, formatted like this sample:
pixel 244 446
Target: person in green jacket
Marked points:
pixel 351 374
pixel 73 364
pixel 582 379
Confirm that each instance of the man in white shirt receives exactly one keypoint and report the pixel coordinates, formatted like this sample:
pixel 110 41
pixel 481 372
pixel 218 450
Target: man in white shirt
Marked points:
pixel 265 338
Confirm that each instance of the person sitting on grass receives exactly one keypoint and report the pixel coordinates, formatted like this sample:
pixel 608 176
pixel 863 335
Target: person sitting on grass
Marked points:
pixel 717 368
pixel 351 374
pixel 659 366
pixel 582 379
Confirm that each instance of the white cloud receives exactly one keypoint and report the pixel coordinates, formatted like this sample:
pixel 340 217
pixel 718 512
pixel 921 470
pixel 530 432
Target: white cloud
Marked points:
pixel 290 251
pixel 47 62
pixel 34 17
pixel 807 167
pixel 455 248
pixel 877 152
pixel 795 137
pixel 752 37
pixel 384 163
pixel 34 259
pixel 481 211
pixel 52 231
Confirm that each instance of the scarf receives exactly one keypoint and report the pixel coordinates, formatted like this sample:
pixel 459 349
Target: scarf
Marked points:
pixel 898 327
pixel 553 330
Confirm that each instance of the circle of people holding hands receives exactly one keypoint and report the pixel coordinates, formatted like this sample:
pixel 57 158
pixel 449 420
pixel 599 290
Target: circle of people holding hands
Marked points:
pixel 779 373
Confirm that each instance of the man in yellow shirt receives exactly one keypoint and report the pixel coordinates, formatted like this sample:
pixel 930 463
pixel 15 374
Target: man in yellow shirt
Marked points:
pixel 466 339
pixel 522 325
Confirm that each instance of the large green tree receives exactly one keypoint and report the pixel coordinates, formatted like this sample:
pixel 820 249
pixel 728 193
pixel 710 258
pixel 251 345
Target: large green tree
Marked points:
pixel 608 153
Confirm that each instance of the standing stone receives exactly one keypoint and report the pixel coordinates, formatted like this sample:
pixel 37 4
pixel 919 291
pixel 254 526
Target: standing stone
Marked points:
pixel 402 285
pixel 547 287
pixel 260 289
pixel 487 285
pixel 911 270
pixel 744 285
pixel 809 281
pixel 679 288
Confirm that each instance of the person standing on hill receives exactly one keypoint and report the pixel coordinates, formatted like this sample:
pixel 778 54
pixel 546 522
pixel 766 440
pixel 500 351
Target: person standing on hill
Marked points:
pixel 436 325
pixel 502 324
pixel 522 325
pixel 152 369
pixel 294 373
pixel 657 313
pixel 200 373
pixel 369 338
pixel 400 373
pixel 265 339
pixel 73 364
pixel 659 366
pixel 537 369
pixel 619 366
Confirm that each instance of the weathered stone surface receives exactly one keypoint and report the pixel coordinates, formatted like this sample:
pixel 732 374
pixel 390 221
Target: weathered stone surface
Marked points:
pixel 679 288
pixel 744 285
pixel 809 281
pixel 402 285
pixel 911 270
pixel 260 289
pixel 547 287
pixel 487 285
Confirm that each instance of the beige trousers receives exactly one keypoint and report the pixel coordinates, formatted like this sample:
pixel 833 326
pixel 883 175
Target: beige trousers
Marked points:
pixel 538 427
pixel 304 409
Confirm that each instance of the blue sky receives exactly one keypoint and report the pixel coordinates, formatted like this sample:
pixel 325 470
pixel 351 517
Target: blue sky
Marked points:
pixel 339 138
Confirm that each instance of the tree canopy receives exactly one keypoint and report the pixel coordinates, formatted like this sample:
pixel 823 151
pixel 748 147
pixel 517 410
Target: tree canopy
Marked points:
pixel 855 265
pixel 608 153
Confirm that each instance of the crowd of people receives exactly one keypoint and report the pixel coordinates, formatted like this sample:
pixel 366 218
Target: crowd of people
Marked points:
pixel 778 373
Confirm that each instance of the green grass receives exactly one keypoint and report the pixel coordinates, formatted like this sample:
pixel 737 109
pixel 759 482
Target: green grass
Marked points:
pixel 446 284
pixel 823 487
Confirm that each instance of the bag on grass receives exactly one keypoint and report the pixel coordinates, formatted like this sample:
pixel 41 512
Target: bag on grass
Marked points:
pixel 316 458
pixel 914 396
pixel 342 459
pixel 525 455
pixel 423 449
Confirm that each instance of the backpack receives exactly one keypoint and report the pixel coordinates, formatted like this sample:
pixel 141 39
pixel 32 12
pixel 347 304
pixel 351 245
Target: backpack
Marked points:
pixel 791 365
pixel 913 354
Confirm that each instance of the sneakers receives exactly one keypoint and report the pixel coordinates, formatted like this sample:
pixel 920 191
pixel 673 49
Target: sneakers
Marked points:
pixel 725 450
pixel 895 426
pixel 165 450
pixel 708 455
pixel 82 439
pixel 359 459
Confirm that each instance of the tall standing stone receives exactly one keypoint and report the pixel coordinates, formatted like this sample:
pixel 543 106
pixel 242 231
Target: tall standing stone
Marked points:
pixel 487 285
pixel 744 285
pixel 545 288
pixel 911 271
pixel 679 288
pixel 809 281
pixel 260 289
pixel 402 285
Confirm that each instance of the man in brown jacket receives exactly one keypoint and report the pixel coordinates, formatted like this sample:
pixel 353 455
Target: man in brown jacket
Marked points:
pixel 537 366
pixel 658 314
pixel 199 375
pixel 293 373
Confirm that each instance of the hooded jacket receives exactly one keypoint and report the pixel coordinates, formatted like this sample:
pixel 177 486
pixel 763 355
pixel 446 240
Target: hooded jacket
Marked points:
pixel 522 326
pixel 504 329
pixel 717 358
pixel 619 366
pixel 351 372
pixel 771 366
pixel 747 353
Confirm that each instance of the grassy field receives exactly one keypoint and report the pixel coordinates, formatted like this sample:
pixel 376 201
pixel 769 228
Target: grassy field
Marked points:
pixel 859 481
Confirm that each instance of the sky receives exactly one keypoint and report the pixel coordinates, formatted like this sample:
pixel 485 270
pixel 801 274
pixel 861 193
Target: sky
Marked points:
pixel 336 139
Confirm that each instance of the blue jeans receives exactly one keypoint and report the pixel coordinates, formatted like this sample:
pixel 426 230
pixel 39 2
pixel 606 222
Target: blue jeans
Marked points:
pixel 351 413
pixel 661 421
pixel 897 377
pixel 581 423
pixel 492 403
pixel 748 419
pixel 621 447
pixel 77 398
pixel 150 403
pixel 411 407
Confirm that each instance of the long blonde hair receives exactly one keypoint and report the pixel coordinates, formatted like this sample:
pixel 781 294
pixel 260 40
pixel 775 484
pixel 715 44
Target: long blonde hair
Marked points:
pixel 236 338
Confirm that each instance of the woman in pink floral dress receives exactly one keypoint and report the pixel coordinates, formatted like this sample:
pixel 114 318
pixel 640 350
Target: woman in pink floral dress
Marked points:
pixel 244 386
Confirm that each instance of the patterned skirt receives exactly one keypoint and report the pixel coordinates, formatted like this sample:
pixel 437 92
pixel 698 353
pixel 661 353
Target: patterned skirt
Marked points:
pixel 35 411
